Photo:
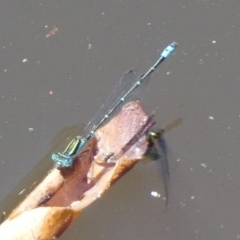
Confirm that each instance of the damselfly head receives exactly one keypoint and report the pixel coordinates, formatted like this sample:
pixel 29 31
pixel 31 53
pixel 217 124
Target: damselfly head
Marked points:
pixel 55 157
pixel 61 160
pixel 156 135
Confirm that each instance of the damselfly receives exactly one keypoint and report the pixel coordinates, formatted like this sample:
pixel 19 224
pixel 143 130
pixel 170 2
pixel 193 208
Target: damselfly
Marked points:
pixel 128 83
pixel 158 150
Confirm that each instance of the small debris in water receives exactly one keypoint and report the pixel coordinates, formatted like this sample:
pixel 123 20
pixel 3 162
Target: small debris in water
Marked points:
pixel 155 194
pixel 22 191
pixel 52 32
pixel 203 165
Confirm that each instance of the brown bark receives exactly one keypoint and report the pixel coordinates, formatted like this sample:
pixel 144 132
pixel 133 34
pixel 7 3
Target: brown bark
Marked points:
pixel 64 193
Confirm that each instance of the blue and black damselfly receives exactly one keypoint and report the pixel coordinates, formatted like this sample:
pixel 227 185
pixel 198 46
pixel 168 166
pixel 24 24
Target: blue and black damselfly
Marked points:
pixel 128 83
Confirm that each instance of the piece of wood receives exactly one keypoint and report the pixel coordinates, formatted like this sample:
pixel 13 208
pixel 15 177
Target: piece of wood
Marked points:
pixel 64 193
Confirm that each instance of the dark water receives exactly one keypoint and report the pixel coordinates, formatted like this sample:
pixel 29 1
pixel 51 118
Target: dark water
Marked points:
pixel 96 42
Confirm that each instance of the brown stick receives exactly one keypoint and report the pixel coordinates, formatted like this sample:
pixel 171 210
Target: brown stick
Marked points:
pixel 63 194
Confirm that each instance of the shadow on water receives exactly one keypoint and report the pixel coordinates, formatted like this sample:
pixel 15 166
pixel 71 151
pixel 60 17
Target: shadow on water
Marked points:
pixel 36 175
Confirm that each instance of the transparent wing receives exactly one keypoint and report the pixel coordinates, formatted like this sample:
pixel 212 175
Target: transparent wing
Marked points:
pixel 125 83
pixel 160 146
